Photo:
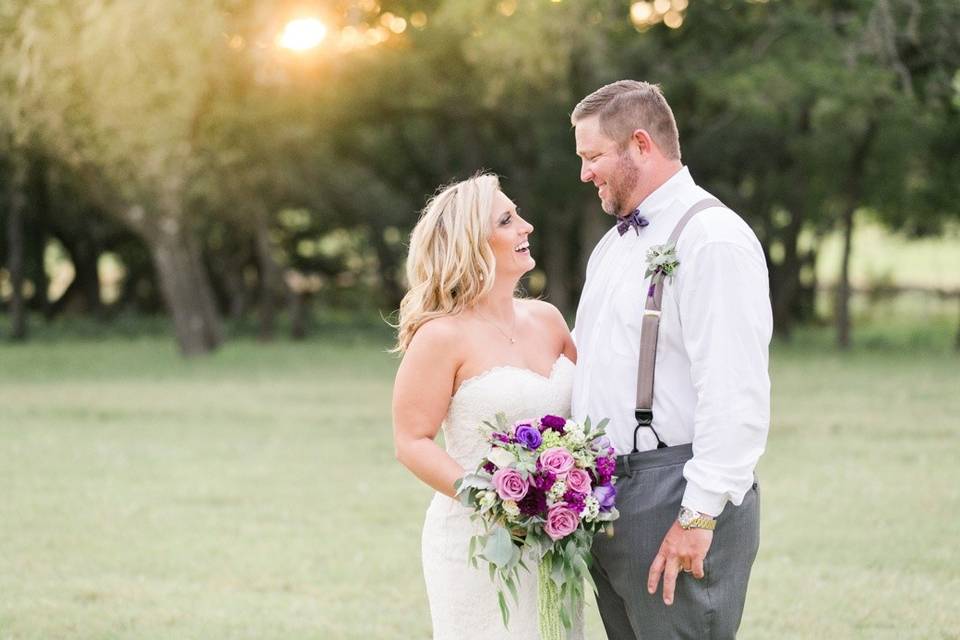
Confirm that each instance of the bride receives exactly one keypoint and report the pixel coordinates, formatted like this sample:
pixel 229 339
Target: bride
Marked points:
pixel 471 349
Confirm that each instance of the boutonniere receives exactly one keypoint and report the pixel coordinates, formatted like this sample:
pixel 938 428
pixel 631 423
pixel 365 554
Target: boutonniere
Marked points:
pixel 661 259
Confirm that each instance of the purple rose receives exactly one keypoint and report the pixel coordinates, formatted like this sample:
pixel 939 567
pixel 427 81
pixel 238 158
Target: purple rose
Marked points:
pixel 556 460
pixel 509 484
pixel 561 522
pixel 601 444
pixel 553 422
pixel 534 503
pixel 606 495
pixel 529 436
pixel 578 480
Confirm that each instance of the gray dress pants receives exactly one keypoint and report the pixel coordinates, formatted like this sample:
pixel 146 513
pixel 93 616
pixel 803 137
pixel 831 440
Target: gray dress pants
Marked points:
pixel 650 486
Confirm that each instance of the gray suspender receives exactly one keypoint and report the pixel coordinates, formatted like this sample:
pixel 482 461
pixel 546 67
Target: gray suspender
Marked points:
pixel 650 332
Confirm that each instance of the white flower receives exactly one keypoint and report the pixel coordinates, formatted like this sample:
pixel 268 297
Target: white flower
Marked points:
pixel 487 498
pixel 510 508
pixel 501 457
pixel 662 258
pixel 591 509
pixel 583 459
pixel 557 490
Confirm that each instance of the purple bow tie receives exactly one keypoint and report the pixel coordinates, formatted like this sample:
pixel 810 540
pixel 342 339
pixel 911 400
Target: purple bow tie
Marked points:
pixel 632 219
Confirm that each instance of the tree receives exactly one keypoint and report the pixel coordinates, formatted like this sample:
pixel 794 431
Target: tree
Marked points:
pixel 126 123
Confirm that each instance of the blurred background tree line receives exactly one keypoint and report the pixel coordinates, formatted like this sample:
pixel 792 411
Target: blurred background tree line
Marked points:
pixel 224 161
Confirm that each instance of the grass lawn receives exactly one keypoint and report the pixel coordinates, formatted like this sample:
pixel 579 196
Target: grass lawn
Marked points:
pixel 254 494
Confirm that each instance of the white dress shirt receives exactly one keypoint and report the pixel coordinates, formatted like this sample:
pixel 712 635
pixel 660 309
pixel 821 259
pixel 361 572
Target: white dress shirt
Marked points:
pixel 712 386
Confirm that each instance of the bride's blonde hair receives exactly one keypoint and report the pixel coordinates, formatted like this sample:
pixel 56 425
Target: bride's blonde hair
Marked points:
pixel 450 263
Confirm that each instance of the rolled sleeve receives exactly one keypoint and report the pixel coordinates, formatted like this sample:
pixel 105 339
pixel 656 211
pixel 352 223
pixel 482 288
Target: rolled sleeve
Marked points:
pixel 727 324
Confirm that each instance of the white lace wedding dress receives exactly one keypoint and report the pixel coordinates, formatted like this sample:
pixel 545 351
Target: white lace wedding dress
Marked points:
pixel 463 600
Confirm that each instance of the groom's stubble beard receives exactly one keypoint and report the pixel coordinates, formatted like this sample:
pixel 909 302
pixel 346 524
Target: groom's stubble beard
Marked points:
pixel 622 184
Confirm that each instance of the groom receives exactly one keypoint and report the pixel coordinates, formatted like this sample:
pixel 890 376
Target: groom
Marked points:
pixel 688 438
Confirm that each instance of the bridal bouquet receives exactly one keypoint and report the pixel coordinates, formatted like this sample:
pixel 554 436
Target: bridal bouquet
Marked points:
pixel 544 490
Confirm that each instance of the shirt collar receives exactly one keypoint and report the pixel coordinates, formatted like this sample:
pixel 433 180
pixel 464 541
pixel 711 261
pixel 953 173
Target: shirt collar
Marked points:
pixel 665 194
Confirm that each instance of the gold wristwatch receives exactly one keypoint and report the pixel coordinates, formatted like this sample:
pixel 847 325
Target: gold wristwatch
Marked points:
pixel 690 519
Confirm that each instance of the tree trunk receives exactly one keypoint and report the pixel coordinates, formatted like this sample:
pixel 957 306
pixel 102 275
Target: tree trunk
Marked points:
pixel 186 289
pixel 956 343
pixel 15 240
pixel 238 298
pixel 843 286
pixel 857 166
pixel 556 259
pixel 272 286
pixel 593 224
pixel 36 233
pixel 35 245
pixel 389 262
pixel 786 284
pixel 301 304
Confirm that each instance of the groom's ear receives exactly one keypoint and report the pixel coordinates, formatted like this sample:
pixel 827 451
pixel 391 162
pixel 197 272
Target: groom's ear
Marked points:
pixel 642 140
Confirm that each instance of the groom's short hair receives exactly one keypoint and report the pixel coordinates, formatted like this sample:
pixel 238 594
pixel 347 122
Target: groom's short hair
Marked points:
pixel 627 105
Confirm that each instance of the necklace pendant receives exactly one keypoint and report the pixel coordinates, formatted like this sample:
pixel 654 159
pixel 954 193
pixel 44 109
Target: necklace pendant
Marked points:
pixel 512 341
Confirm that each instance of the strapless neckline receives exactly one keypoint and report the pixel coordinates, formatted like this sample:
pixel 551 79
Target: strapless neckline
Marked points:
pixel 510 367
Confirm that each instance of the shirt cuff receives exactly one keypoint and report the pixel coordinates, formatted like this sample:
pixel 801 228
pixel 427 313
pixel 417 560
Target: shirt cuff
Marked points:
pixel 699 499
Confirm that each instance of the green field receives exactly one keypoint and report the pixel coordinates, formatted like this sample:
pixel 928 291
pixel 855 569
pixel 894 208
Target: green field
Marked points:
pixel 254 494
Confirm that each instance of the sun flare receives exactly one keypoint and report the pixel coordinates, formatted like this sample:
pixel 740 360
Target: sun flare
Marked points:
pixel 302 34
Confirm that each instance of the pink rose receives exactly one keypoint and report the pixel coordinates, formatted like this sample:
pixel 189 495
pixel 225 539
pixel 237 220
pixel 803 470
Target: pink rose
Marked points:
pixel 509 484
pixel 556 460
pixel 578 480
pixel 561 522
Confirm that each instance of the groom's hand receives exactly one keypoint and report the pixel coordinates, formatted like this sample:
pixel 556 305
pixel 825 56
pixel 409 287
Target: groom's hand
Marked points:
pixel 681 549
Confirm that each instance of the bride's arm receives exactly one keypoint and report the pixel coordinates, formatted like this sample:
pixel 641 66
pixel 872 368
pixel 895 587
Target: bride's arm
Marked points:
pixel 421 397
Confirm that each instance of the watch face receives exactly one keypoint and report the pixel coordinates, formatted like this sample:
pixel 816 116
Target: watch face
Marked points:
pixel 687 516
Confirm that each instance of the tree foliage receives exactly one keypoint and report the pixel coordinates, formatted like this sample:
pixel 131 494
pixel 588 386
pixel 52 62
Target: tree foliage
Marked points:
pixel 183 123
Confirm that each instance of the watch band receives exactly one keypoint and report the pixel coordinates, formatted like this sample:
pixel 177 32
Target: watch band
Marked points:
pixel 703 522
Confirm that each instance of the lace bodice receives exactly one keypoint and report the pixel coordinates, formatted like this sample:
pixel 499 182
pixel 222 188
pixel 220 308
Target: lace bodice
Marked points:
pixel 517 392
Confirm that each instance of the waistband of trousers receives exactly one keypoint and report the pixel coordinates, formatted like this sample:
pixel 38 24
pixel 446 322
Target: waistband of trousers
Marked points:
pixel 668 456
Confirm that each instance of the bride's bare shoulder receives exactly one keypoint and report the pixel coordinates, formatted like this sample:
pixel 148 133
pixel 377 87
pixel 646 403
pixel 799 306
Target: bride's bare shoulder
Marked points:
pixel 543 311
pixel 440 335
pixel 548 320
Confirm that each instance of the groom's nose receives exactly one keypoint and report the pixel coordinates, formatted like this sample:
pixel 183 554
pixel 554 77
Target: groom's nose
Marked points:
pixel 586 174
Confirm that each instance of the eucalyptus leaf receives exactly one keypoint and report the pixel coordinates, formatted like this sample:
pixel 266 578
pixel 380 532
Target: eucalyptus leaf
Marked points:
pixel 499 547
pixel 589 578
pixel 472 548
pixel 565 618
pixel 556 573
pixel 512 586
pixel 475 481
pixel 514 557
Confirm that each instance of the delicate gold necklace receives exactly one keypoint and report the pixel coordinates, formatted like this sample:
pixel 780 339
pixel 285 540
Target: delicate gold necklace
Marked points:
pixel 513 328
